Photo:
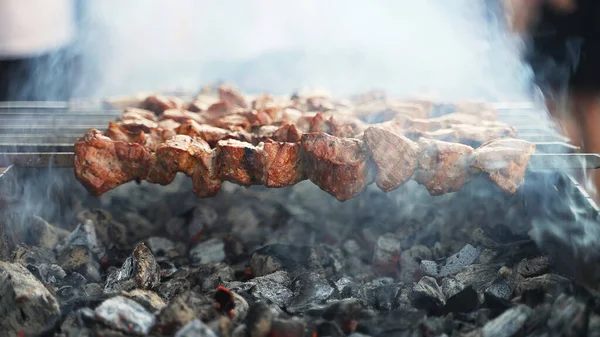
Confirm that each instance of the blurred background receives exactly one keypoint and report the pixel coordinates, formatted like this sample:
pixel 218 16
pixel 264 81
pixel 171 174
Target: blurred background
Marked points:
pixel 446 49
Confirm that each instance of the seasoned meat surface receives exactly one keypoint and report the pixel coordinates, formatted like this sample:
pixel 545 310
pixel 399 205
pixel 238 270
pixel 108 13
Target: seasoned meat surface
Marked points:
pixel 339 166
pixel 442 167
pixel 160 103
pixel 240 162
pixel 394 155
pixel 505 161
pixel 102 164
pixel 283 164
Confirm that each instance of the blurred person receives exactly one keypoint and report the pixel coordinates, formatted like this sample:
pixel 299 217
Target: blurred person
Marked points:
pixel 562 45
pixel 39 59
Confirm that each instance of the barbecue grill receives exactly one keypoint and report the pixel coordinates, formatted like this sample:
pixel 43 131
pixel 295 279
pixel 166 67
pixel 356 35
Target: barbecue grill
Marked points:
pixel 37 138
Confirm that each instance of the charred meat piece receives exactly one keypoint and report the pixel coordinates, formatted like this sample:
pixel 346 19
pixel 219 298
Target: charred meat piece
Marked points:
pixel 229 94
pixel 117 132
pixel 102 164
pixel 258 117
pixel 505 161
pixel 181 116
pixel 159 103
pixel 240 162
pixel 394 155
pixel 287 133
pixel 135 113
pixel 318 124
pixel 138 124
pixel 233 122
pixel 208 133
pixel 265 132
pixel 442 167
pixel 283 164
pixel 339 166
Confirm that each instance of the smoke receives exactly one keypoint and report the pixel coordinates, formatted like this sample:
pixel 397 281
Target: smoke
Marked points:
pixel 452 49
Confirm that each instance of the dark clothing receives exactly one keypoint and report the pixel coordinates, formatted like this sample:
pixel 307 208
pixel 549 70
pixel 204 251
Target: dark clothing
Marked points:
pixel 564 50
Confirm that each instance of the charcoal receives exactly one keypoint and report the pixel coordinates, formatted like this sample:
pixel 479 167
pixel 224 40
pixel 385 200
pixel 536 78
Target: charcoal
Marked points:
pixel 231 303
pixel 160 246
pixel 501 288
pixel 451 286
pixel 410 261
pixel 568 317
pixel 41 233
pixel 75 279
pixel 167 268
pixel 309 289
pixel 272 289
pixel 80 259
pixel 330 259
pixel 436 326
pixel 175 315
pixel 272 258
pixel 466 300
pixel 49 274
pixel 451 265
pixel 507 324
pixel 195 328
pixel 25 304
pixel 222 326
pixel 478 275
pixel 403 298
pixel 245 223
pixel 176 227
pixel 259 320
pixel 211 275
pixel 382 297
pixel 533 267
pixel 32 255
pixel 172 288
pixel 140 270
pixel 84 235
pixel 211 250
pixel 125 315
pixel 350 289
pixel 108 231
pixel 148 299
pixel 138 227
pixel 92 289
pixel 386 253
pixel 327 328
pixel 594 326
pixel 427 295
pixel 550 283
pixel 344 313
pixel 287 328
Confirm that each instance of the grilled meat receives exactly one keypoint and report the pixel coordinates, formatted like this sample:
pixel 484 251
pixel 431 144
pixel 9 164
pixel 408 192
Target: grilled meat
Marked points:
pixel 158 103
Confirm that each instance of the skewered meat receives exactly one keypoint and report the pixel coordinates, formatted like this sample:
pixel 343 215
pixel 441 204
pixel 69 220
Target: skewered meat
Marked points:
pixel 394 155
pixel 181 116
pixel 229 94
pixel 339 166
pixel 240 162
pixel 159 103
pixel 233 122
pixel 138 124
pixel 210 134
pixel 287 133
pixel 134 113
pixel 442 167
pixel 505 161
pixel 465 134
pixel 102 164
pixel 168 124
pixel 283 165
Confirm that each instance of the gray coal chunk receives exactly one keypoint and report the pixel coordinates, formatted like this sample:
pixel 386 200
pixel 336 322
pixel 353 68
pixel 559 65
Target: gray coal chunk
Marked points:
pixel 32 255
pixel 410 262
pixel 550 283
pixel 568 316
pixel 427 294
pixel 501 288
pixel 83 235
pixel 80 259
pixel 310 289
pixel 211 250
pixel 287 327
pixel 25 304
pixel 478 275
pixel 124 314
pixel 259 320
pixel 274 257
pixel 594 326
pixel 138 227
pixel 451 286
pixel 386 252
pixel 272 288
pixel 508 323
pixel 533 267
pixel 211 275
pixel 49 274
pixel 92 289
pixel 175 315
pixel 149 299
pixel 41 233
pixel 160 246
pixel 196 328
pixel 452 264
pixel 140 270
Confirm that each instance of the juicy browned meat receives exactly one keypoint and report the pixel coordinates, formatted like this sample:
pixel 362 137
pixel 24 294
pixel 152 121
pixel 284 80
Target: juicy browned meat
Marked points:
pixel 477 135
pixel 394 155
pixel 442 167
pixel 262 101
pixel 318 124
pixel 102 164
pixel 168 124
pixel 240 162
pixel 229 94
pixel 208 133
pixel 287 133
pixel 159 103
pixel 265 132
pixel 134 113
pixel 505 161
pixel 138 124
pixel 339 166
pixel 258 117
pixel 233 122
pixel 283 165
pixel 181 116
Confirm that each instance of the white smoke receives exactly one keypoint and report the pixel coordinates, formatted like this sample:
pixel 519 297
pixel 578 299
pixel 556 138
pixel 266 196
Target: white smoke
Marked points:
pixel 445 48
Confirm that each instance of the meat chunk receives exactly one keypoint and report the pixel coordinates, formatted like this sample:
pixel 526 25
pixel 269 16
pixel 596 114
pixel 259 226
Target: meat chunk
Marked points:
pixel 287 133
pixel 394 155
pixel 118 133
pixel 505 161
pixel 339 166
pixel 477 135
pixel 442 167
pixel 102 164
pixel 233 122
pixel 258 117
pixel 318 124
pixel 240 162
pixel 229 94
pixel 138 124
pixel 208 133
pixel 159 103
pixel 134 113
pixel 181 116
pixel 168 124
pixel 283 164
pixel 265 132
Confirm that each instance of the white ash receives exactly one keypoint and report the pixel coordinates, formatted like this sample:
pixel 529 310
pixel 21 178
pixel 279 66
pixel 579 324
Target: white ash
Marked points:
pixel 451 265
pixel 211 250
pixel 125 315
pixel 84 235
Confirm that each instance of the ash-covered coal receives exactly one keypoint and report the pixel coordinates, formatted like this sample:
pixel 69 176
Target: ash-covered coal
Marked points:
pixel 290 262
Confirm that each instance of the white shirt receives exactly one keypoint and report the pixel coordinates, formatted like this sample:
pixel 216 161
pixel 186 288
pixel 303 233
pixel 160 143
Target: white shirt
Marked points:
pixel 29 27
